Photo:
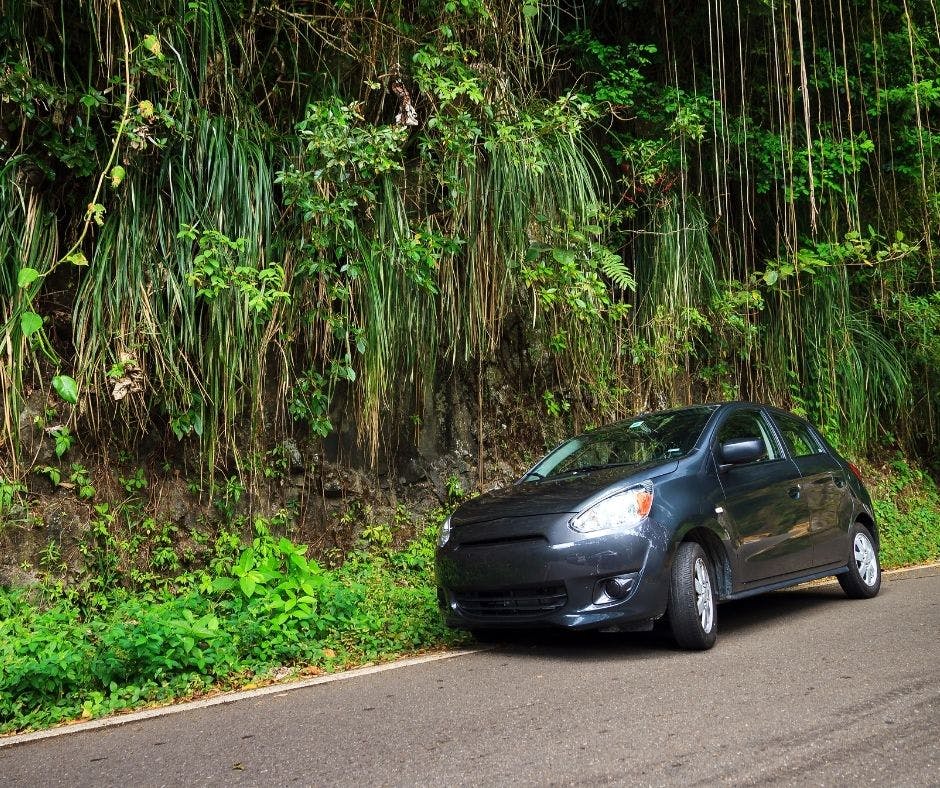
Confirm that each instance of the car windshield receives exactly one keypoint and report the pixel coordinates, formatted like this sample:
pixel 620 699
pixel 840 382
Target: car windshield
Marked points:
pixel 657 436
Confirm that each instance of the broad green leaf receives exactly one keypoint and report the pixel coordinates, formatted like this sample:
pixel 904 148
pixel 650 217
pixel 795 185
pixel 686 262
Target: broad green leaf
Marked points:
pixel 530 10
pixel 247 585
pixel 563 256
pixel 30 323
pixel 770 276
pixel 63 442
pixel 26 277
pixel 222 584
pixel 76 258
pixel 66 388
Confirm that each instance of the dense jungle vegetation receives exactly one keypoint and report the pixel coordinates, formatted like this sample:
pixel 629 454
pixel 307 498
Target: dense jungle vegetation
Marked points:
pixel 227 224
pixel 218 213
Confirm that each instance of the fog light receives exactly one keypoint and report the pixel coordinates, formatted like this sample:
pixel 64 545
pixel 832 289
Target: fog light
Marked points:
pixel 618 587
pixel 614 589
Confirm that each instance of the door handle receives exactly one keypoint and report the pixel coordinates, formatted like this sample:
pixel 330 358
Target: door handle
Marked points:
pixel 794 492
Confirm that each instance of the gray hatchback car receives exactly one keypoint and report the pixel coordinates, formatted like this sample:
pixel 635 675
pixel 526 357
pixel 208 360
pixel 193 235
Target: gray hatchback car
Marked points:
pixel 664 514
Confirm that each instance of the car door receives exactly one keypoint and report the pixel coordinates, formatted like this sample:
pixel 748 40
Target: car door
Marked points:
pixel 763 503
pixel 824 488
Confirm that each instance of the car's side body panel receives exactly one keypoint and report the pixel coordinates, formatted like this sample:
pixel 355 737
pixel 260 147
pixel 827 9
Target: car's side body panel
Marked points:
pixel 768 517
pixel 829 504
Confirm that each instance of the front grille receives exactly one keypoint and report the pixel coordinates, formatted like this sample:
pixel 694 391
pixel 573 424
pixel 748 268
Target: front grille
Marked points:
pixel 535 541
pixel 512 603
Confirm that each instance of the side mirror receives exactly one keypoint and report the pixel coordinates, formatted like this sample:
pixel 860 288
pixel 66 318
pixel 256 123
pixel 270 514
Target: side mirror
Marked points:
pixel 740 451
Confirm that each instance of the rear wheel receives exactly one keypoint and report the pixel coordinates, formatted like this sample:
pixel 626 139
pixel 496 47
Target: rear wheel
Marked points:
pixel 693 606
pixel 863 580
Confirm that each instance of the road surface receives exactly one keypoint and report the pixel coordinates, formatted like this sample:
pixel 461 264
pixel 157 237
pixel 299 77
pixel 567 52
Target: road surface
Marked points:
pixel 804 687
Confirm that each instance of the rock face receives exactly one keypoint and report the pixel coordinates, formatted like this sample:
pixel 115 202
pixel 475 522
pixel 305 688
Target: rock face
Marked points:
pixel 41 539
pixel 322 492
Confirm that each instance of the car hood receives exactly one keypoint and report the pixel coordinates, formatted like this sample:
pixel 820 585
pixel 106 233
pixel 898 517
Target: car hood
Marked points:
pixel 555 496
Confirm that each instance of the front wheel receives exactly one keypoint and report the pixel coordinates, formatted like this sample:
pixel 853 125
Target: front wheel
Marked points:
pixel 693 605
pixel 863 580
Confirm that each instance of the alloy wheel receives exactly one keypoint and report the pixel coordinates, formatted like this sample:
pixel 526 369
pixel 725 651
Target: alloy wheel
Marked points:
pixel 704 601
pixel 865 559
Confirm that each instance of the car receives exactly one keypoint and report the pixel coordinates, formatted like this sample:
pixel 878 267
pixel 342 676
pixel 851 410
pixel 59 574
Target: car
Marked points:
pixel 661 516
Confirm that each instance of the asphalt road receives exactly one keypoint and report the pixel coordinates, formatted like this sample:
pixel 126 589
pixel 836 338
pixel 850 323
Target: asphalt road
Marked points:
pixel 804 687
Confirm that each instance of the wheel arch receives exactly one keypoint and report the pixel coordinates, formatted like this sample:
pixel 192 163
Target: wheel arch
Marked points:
pixel 712 543
pixel 868 521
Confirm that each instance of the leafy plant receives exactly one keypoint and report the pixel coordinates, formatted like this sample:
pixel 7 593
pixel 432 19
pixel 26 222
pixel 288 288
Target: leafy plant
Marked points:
pixel 10 492
pixel 454 487
pixel 105 649
pixel 134 483
pixel 63 439
pixel 80 478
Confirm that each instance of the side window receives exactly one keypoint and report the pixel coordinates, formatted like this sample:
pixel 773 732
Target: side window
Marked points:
pixel 749 424
pixel 800 441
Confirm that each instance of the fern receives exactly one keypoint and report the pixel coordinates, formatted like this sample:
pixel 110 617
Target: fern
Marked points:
pixel 616 271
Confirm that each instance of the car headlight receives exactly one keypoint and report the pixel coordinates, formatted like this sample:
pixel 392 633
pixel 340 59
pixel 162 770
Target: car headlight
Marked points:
pixel 621 510
pixel 444 535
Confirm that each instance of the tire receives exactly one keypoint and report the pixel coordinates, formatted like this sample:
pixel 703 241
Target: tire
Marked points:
pixel 863 580
pixel 693 606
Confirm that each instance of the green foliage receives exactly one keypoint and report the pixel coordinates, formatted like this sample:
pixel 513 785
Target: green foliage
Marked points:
pixel 98 649
pixel 30 323
pixel 907 508
pixel 134 483
pixel 641 208
pixel 66 388
pixel 10 492
pixel 220 265
pixel 63 439
pixel 454 487
pixel 573 277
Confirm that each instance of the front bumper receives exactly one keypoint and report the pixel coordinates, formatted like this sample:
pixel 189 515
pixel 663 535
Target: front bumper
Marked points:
pixel 536 572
